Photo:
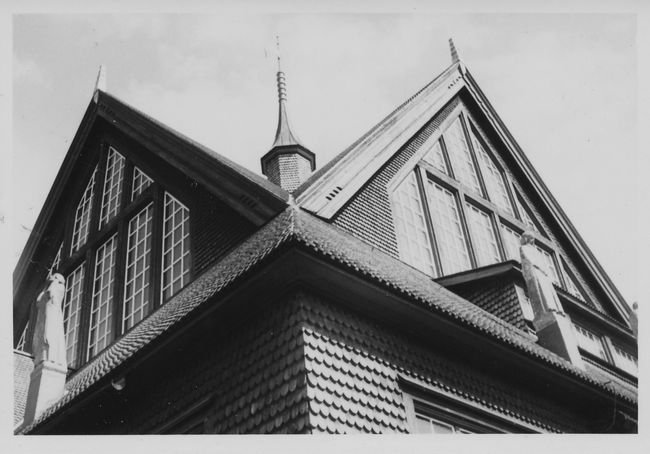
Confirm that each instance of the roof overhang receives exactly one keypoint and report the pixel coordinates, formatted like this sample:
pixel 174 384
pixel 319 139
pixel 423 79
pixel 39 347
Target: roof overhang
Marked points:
pixel 296 266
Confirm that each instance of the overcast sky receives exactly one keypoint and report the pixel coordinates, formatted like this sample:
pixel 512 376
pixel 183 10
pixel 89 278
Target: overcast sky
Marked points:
pixel 565 85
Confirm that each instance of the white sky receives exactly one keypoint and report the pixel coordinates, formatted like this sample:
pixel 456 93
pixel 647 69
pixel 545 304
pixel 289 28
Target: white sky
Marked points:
pixel 565 85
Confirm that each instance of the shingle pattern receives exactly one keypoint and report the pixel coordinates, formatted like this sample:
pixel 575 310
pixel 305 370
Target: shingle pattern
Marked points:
pixel 352 376
pixel 216 228
pixel 373 201
pixel 255 376
pixel 23 365
pixel 332 244
pixel 498 297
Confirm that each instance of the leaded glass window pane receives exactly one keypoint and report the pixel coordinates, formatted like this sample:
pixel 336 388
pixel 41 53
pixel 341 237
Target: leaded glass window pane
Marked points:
pixel 571 286
pixel 141 181
pixel 411 228
pixel 460 156
pixel 22 342
pixel 448 229
pixel 625 361
pixel 483 237
pixel 526 217
pixel 82 216
pixel 435 157
pixel 112 186
pixel 493 178
pixel 101 312
pixel 176 248
pixel 511 242
pixel 137 285
pixel 72 312
pixel 425 424
pixel 57 260
pixel 590 341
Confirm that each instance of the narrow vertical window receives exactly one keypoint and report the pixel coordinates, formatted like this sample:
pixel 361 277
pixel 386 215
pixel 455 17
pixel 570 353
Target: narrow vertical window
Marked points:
pixel 57 260
pixel 493 177
pixel 526 217
pixel 571 286
pixel 435 157
pixel 112 186
pixel 72 312
pixel 141 181
pixel 448 229
pixel 82 216
pixel 176 250
pixel 460 156
pixel 22 342
pixel 137 285
pixel 411 228
pixel 511 242
pixel 102 302
pixel 483 237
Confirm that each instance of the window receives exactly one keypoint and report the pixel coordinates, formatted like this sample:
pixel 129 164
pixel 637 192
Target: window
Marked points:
pixel 112 186
pixel 102 302
pixel 71 312
pixel 428 425
pixel 82 216
pixel 590 341
pixel 57 260
pixel 625 361
pixel 571 285
pixel 494 179
pixel 460 156
pixel 176 263
pixel 455 210
pixel 128 254
pixel 140 182
pixel 447 227
pixel 137 292
pixel 22 342
pixel 411 227
pixel 484 239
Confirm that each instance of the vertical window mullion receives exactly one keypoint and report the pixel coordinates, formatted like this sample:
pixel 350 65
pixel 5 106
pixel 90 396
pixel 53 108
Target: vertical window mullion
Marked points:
pixel 427 218
pixel 86 303
pixel 156 245
pixel 473 157
pixel 118 284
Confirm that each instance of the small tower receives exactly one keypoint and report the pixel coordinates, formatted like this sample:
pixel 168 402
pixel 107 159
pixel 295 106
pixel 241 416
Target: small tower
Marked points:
pixel 288 163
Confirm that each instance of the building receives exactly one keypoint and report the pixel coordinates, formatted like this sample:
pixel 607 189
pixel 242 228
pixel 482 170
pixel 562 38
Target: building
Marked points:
pixel 381 292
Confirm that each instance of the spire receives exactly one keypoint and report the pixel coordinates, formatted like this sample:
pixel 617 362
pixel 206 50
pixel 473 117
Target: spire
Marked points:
pixel 100 83
pixel 283 135
pixel 454 53
pixel 288 163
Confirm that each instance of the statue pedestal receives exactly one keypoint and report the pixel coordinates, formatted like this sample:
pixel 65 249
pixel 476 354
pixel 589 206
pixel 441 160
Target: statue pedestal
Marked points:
pixel 46 386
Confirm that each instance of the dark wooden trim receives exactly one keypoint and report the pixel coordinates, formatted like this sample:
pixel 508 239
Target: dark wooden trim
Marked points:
pixel 118 282
pixel 156 245
pixel 85 309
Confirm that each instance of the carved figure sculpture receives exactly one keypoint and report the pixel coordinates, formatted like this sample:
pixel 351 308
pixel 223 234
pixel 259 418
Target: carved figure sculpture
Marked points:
pixel 49 339
pixel 539 283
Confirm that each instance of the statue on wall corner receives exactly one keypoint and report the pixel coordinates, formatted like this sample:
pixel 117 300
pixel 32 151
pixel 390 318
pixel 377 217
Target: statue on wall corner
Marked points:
pixel 48 343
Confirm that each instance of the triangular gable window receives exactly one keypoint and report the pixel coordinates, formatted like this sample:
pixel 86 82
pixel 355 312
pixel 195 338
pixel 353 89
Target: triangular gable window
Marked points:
pixel 112 186
pixel 82 215
pixel 141 181
pixel 526 216
pixel 435 158
pixel 493 177
pixel 22 342
pixel 57 260
pixel 461 159
pixel 571 285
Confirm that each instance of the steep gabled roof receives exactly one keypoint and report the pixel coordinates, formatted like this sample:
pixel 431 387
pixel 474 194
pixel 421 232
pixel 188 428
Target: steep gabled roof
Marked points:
pixel 252 195
pixel 328 190
pixel 294 227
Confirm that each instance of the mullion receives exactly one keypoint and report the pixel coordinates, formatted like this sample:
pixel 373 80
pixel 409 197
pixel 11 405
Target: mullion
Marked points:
pixel 429 222
pixel 472 155
pixel 156 245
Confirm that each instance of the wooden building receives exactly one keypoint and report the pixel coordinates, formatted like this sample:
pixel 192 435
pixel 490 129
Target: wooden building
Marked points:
pixel 382 292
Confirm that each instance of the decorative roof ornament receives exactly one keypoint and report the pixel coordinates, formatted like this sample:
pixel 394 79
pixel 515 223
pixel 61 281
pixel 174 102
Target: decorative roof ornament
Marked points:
pixel 283 135
pixel 454 52
pixel 100 83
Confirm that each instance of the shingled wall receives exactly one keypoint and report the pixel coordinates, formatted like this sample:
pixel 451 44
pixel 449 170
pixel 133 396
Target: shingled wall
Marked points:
pixel 352 377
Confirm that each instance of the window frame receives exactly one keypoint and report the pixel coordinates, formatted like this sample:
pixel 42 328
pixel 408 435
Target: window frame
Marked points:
pixel 128 208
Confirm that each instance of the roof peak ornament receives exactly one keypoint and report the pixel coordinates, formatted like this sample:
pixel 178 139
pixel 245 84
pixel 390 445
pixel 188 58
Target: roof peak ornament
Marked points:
pixel 100 83
pixel 454 52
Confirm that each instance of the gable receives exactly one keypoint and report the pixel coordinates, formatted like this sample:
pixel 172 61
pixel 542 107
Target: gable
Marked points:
pixel 110 228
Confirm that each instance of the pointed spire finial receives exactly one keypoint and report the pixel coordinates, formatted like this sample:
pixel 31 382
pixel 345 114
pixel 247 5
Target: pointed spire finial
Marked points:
pixel 100 83
pixel 454 53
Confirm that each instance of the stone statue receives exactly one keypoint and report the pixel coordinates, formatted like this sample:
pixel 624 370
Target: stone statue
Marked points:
pixel 539 284
pixel 49 339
